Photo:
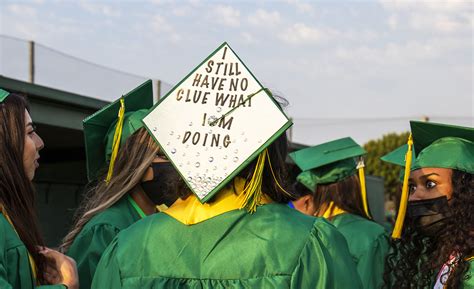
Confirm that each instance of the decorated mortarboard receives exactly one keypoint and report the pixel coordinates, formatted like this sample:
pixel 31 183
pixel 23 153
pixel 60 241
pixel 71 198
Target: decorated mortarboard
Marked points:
pixel 437 146
pixel 3 95
pixel 331 162
pixel 443 146
pixel 108 128
pixel 216 121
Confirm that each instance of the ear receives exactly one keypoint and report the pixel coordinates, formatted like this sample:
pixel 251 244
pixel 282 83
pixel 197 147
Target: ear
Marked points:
pixel 309 204
pixel 305 204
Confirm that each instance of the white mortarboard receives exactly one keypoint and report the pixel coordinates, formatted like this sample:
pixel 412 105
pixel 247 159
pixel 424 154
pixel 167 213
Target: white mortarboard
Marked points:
pixel 215 121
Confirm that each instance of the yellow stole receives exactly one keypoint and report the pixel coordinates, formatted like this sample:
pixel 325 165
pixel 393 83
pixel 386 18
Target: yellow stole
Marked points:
pixel 191 211
pixel 333 211
pixel 31 260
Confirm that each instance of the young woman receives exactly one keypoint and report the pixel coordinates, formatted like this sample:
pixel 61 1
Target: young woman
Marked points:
pixel 141 180
pixel 219 245
pixel 436 247
pixel 329 187
pixel 24 261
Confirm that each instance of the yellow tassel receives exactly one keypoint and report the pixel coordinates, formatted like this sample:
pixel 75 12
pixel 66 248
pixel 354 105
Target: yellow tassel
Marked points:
pixel 252 193
pixel 116 142
pixel 275 178
pixel 363 188
pixel 397 230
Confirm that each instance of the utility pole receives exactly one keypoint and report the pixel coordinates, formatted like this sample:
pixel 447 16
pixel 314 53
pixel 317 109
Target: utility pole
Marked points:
pixel 157 96
pixel 32 61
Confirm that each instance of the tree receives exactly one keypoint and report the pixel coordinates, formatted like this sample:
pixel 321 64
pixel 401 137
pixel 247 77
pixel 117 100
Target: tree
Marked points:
pixel 374 166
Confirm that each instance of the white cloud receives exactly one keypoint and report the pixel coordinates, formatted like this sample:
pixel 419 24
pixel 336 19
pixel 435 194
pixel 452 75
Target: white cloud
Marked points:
pixel 300 33
pixel 181 11
pixel 440 16
pixel 303 7
pixel 162 26
pixel 99 8
pixel 393 22
pixel 248 38
pixel 162 2
pixel 22 9
pixel 264 18
pixel 226 15
pixel 400 54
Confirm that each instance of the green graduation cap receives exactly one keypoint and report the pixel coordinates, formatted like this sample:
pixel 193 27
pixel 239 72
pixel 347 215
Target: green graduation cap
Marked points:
pixel 331 162
pixel 215 122
pixel 397 157
pixel 328 162
pixel 437 146
pixel 3 95
pixel 100 129
pixel 443 146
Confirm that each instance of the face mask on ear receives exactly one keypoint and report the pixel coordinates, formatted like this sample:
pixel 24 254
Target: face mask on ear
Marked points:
pixel 161 189
pixel 429 216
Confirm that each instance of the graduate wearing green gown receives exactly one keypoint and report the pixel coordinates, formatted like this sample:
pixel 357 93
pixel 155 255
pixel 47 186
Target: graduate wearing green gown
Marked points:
pixel 328 187
pixel 433 240
pixel 231 227
pixel 15 267
pixel 24 261
pixel 89 245
pixel 221 246
pixel 121 198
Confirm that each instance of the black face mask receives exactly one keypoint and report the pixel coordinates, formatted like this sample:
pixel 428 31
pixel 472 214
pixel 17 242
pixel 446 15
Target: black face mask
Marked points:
pixel 161 189
pixel 430 216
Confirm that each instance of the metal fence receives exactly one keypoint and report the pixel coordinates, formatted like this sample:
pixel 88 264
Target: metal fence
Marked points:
pixel 42 65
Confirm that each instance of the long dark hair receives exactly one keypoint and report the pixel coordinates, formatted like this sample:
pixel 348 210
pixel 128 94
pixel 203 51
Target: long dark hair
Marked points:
pixel 16 190
pixel 416 259
pixel 133 159
pixel 345 194
pixel 277 153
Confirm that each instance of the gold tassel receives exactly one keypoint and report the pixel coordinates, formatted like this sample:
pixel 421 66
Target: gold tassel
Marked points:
pixel 252 193
pixel 275 178
pixel 397 230
pixel 363 188
pixel 116 141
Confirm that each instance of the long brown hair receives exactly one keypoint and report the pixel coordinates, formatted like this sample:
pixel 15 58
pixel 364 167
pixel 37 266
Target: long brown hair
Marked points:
pixel 345 194
pixel 16 191
pixel 133 159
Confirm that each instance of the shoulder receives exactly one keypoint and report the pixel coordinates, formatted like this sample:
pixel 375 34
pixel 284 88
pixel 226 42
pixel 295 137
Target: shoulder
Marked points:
pixel 360 227
pixel 8 237
pixel 118 216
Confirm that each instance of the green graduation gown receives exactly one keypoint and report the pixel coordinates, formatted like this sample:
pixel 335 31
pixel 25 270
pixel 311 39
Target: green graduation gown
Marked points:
pixel 275 247
pixel 469 282
pixel 91 242
pixel 368 244
pixel 15 270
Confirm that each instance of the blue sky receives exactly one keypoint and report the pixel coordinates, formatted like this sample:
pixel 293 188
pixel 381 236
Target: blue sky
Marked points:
pixel 360 68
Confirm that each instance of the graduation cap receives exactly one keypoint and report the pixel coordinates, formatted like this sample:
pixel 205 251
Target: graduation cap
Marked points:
pixel 107 129
pixel 331 162
pixel 397 157
pixel 215 122
pixel 3 95
pixel 443 146
pixel 438 146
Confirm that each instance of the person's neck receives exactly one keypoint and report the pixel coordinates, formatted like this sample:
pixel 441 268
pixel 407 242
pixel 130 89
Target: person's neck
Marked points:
pixel 143 201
